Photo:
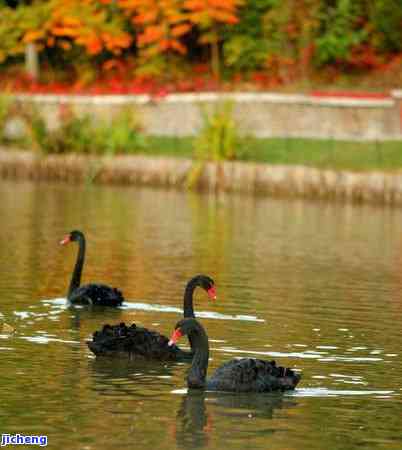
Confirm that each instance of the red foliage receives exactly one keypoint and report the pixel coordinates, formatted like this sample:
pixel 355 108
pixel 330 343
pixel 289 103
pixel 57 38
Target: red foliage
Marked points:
pixel 365 57
pixel 114 82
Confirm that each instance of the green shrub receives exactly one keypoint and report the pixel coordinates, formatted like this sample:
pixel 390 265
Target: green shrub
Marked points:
pixel 386 17
pixel 6 102
pixel 245 46
pixel 81 134
pixel 218 139
pixel 122 135
pixel 341 30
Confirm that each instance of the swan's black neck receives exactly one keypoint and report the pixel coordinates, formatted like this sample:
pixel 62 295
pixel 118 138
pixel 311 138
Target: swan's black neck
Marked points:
pixel 188 308
pixel 76 278
pixel 197 374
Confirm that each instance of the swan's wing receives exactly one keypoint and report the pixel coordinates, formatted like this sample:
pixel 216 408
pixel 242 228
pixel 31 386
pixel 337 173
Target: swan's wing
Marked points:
pixel 253 375
pixel 97 294
pixel 132 341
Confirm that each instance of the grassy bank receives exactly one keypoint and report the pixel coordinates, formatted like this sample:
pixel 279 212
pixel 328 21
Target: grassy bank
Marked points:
pixel 319 153
pixel 217 140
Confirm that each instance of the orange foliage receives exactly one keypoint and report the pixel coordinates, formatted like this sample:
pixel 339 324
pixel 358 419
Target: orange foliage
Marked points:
pixel 180 30
pixel 34 35
pixel 81 22
pixel 161 24
pixel 205 12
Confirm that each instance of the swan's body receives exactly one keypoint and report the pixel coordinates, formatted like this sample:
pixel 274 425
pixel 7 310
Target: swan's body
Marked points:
pixel 138 342
pixel 96 294
pixel 88 294
pixel 237 375
pixel 134 342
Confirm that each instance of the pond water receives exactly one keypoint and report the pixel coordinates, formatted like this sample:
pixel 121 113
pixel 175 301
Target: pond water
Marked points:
pixel 316 286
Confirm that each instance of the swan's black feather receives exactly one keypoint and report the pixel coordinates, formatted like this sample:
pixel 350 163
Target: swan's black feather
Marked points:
pixel 134 342
pixel 252 375
pixel 96 294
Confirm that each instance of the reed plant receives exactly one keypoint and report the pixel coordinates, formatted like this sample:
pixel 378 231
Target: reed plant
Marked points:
pixel 218 140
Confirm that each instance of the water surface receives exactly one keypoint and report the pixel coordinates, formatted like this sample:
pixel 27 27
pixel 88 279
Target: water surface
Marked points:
pixel 316 286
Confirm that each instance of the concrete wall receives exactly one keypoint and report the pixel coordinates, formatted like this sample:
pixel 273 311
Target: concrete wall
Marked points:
pixel 298 181
pixel 258 114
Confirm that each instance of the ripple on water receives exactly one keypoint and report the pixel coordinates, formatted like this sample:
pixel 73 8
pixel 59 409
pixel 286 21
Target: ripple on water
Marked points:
pixel 319 392
pixel 46 340
pixel 323 392
pixel 165 309
pixel 308 354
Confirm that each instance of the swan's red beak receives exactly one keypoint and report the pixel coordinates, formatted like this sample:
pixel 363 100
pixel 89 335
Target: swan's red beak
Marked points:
pixel 212 293
pixel 65 240
pixel 176 335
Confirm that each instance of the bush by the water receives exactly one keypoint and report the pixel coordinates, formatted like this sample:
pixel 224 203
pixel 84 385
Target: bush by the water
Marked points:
pixel 81 134
pixel 218 138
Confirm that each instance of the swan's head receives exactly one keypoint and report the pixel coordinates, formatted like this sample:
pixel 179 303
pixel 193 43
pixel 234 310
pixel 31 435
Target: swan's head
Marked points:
pixel 206 283
pixel 71 237
pixel 184 327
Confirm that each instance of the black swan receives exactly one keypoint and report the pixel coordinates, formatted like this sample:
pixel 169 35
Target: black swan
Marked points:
pixel 89 294
pixel 237 375
pixel 137 342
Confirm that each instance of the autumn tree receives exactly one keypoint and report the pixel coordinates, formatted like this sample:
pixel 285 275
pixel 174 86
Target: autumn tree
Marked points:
pixel 86 23
pixel 160 26
pixel 210 16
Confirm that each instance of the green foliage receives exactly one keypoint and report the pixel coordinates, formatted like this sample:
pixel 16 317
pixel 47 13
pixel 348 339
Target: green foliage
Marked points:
pixel 341 31
pixel 37 129
pixel 6 102
pixel 245 46
pixel 15 23
pixel 122 135
pixel 218 139
pixel 80 134
pixel 387 19
pixel 244 53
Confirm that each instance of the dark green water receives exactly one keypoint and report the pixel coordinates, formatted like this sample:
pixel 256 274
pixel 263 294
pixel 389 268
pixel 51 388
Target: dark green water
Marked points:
pixel 316 286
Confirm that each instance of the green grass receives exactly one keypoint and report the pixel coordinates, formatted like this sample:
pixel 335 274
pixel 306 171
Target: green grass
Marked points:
pixel 320 153
pixel 169 146
pixel 331 154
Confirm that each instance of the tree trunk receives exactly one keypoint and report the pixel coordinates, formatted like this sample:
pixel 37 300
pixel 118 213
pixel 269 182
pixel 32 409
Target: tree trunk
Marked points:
pixel 31 61
pixel 215 59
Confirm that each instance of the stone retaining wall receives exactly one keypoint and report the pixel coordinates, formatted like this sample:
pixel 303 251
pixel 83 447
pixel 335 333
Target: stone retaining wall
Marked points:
pixel 372 187
pixel 258 114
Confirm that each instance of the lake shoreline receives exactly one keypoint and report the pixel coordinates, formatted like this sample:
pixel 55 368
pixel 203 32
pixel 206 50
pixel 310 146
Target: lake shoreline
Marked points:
pixel 374 187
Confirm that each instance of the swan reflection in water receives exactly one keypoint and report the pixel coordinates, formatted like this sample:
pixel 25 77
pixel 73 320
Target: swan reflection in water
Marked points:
pixel 202 413
pixel 120 377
